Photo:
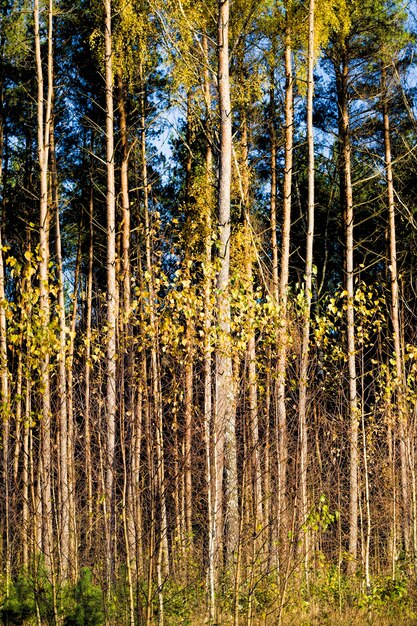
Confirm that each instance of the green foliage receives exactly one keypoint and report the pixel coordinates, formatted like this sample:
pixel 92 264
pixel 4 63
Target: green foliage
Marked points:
pixel 320 517
pixel 31 597
pixel 86 602
pixel 28 595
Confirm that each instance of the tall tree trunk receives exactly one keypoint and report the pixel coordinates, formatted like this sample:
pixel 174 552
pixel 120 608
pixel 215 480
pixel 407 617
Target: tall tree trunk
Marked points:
pixel 208 314
pixel 44 125
pixel 188 367
pixel 163 554
pixel 72 423
pixel 303 384
pixel 64 514
pixel 342 77
pixel 224 427
pixel 111 291
pixel 87 373
pixel 4 377
pixel 395 320
pixel 253 430
pixel 281 422
pixel 272 436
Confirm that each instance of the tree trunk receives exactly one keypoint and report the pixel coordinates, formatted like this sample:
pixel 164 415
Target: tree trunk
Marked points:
pixel 282 340
pixel 303 384
pixel 4 375
pixel 64 516
pixel 395 320
pixel 342 77
pixel 224 427
pixel 87 373
pixel 112 297
pixel 44 125
pixel 208 315
pixel 163 554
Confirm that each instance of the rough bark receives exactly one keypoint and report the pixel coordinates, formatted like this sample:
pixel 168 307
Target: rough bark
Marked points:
pixel 225 510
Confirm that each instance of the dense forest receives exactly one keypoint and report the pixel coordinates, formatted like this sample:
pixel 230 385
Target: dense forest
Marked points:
pixel 208 337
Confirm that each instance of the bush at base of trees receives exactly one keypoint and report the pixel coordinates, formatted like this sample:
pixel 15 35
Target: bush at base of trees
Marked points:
pixel 31 601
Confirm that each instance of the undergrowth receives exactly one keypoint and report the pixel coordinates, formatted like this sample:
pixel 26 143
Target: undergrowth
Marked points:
pixel 326 597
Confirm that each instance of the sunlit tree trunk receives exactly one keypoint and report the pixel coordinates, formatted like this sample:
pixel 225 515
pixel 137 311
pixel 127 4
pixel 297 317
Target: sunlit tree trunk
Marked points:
pixel 208 315
pixel 253 429
pixel 395 320
pixel 62 381
pixel 111 291
pixel 88 470
pixel 271 451
pixel 4 380
pixel 303 384
pixel 282 341
pixel 224 427
pixel 44 108
pixel 72 425
pixel 189 349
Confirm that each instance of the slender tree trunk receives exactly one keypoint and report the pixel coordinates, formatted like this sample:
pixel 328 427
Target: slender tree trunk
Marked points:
pixel 4 378
pixel 303 384
pixel 64 515
pixel 208 315
pixel 395 319
pixel 72 424
pixel 272 446
pixel 273 191
pixel 253 430
pixel 87 374
pixel 111 291
pixel 188 419
pixel 163 554
pixel 124 185
pixel 224 427
pixel 44 125
pixel 188 368
pixel 281 424
pixel 25 477
pixel 342 77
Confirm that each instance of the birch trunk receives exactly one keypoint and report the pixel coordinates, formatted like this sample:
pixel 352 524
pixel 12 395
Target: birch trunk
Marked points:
pixel 111 291
pixel 281 423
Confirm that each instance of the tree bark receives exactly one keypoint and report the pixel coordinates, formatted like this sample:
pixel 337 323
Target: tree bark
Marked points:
pixel 64 516
pixel 395 320
pixel 112 296
pixel 4 376
pixel 342 78
pixel 208 315
pixel 282 339
pixel 44 109
pixel 303 384
pixel 224 427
